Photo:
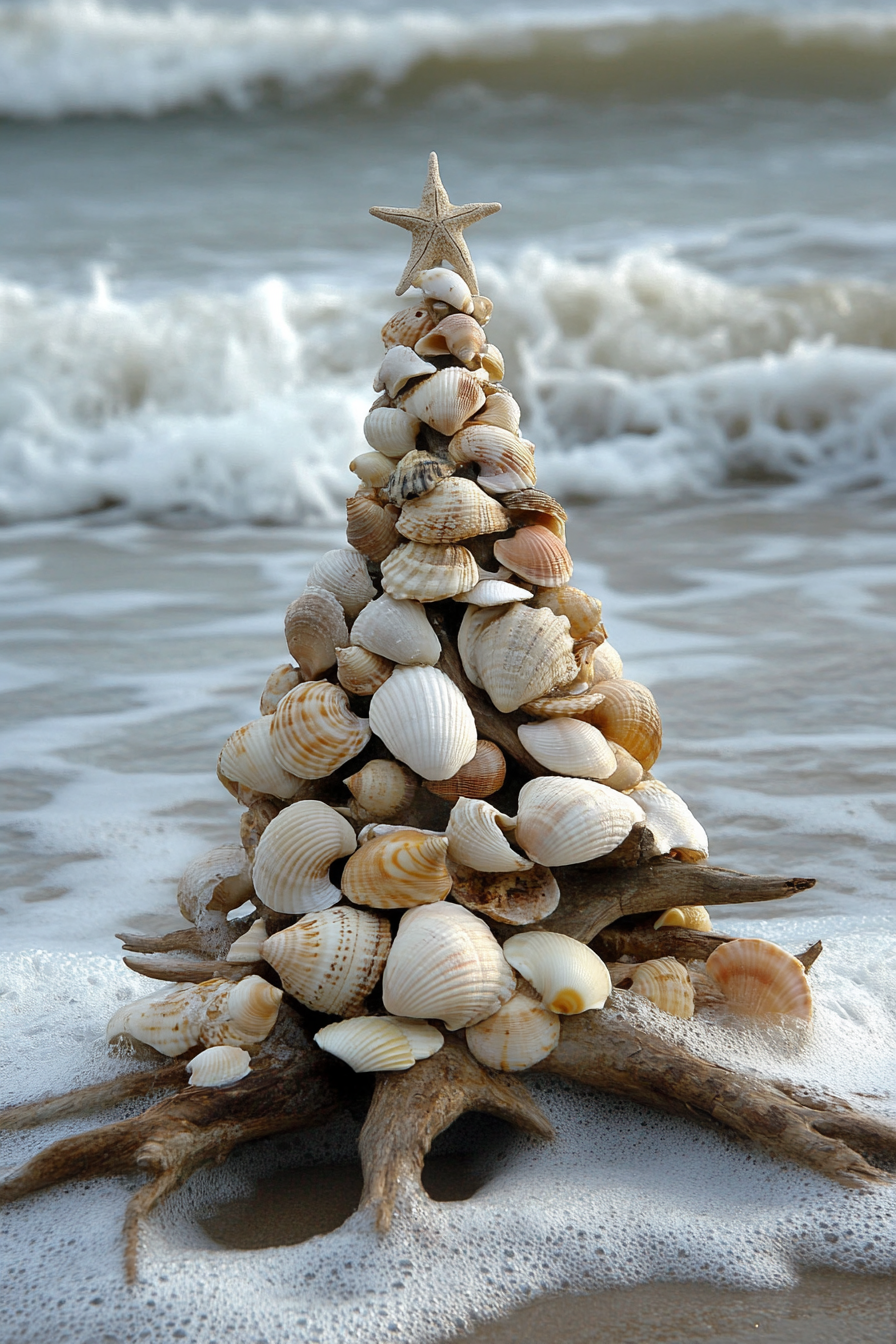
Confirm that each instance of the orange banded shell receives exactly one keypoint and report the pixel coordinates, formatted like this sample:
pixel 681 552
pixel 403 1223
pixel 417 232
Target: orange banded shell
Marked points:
pixel 536 554
pixel 760 979
pixel 480 777
pixel 628 715
pixel 370 527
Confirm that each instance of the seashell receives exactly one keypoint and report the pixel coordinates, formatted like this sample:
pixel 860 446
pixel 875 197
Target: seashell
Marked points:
pixel 500 410
pixel 446 400
pixel 315 628
pixel 521 1033
pixel 331 961
pixel 628 715
pixel 674 827
pixel 407 327
pixel 493 593
pixel 492 361
pixel 760 978
pixel 399 366
pixel 382 790
pixel 562 704
pixel 218 1066
pixel 255 819
pixel 244 1014
pixel 482 309
pixel 416 474
pixel 391 430
pixel 475 838
pixel 314 731
pixel 294 854
pixel 249 757
pixel 343 573
pixel 398 630
pixel 247 948
pixel 361 672
pixel 605 663
pixel 453 510
pixel 666 983
pixel 628 772
pixel 515 653
pixel 425 721
pixel 445 963
pixel 216 1012
pixel 536 554
pixel 534 506
pixel 424 1040
pixel 507 898
pixel 563 821
pixel 481 776
pixel 568 976
pixel 446 286
pixel 402 869
pixel 581 610
pixel 370 528
pixel 367 1044
pixel 213 884
pixel 457 335
pixel 428 573
pixel 685 917
pixel 284 678
pixel 506 462
pixel 373 468
pixel 569 747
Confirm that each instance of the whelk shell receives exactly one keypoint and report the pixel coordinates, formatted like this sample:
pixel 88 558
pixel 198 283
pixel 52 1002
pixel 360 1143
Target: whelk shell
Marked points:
pixel 628 715
pixel 428 573
pixel 373 468
pixel 666 983
pixel 382 790
pixel 506 462
pixel 314 731
pixel 563 821
pixel 446 400
pixel 475 838
pixel 569 747
pixel 685 917
pixel 331 961
pixel 481 776
pixel 507 898
pixel 399 366
pixel 216 1012
pixel 417 473
pixel 247 948
pixel 521 1033
pixel 675 828
pixel 284 678
pixel 249 757
pixel 361 672
pixel 446 286
pixel 218 1066
pixel 458 335
pixel 406 327
pixel 536 554
pixel 452 511
pixel 213 884
pixel 760 978
pixel 515 653
pixel 568 976
pixel 315 628
pixel 581 610
pixel 398 630
pixel 367 1044
pixel 425 721
pixel 294 854
pixel 399 870
pixel 370 527
pixel 391 430
pixel 500 410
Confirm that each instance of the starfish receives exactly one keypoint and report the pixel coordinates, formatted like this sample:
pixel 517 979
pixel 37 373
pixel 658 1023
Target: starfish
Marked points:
pixel 437 230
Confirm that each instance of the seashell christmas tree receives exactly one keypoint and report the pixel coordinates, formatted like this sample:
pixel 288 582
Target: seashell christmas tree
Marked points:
pixel 450 826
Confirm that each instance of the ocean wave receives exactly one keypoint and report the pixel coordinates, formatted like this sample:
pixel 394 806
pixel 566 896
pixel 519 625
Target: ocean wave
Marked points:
pixel 647 378
pixel 83 57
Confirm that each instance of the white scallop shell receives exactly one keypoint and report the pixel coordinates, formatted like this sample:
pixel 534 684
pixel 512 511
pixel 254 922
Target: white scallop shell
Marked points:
pixel 569 977
pixel 452 510
pixel 475 838
pixel 247 948
pixel 446 286
pixel 391 430
pixel 218 1066
pixel 314 731
pixel 367 1044
pixel 330 961
pixel 674 826
pixel 398 630
pixel 425 721
pixel 399 366
pixel 427 573
pixel 423 1039
pixel 569 747
pixel 564 821
pixel 521 1033
pixel 248 757
pixel 294 854
pixel 445 400
pixel 515 653
pixel 506 462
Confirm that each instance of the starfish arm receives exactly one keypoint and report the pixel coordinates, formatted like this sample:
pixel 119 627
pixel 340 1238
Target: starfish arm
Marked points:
pixel 425 241
pixel 405 219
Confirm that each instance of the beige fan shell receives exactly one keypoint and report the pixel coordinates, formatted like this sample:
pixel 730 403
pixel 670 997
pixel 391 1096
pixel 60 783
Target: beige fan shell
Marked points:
pixel 425 721
pixel 249 757
pixel 331 961
pixel 521 1033
pixel 568 976
pixel 506 462
pixel 218 1066
pixel 314 731
pixel 452 511
pixel 284 678
pixel 390 430
pixel 397 871
pixel 515 653
pixel 370 528
pixel 500 409
pixel 361 672
pixel 628 715
pixel 428 573
pixel 581 610
pixel 563 821
pixel 666 983
pixel 569 747
pixel 367 1044
pixel 445 400
pixel 381 790
pixel 760 979
pixel 674 827
pixel 293 857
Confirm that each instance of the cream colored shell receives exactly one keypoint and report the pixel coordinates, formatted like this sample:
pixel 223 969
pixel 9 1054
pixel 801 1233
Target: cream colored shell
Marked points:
pixel 330 961
pixel 247 948
pixel 400 364
pixel 391 430
pixel 314 731
pixel 218 1066
pixel 284 678
pixel 476 838
pixel 666 983
pixel 372 468
pixel 581 610
pixel 628 772
pixel 458 334
pixel 382 790
pixel 506 462
pixel 398 630
pixel 248 757
pixel 425 721
pixel 569 747
pixel 760 979
pixel 294 854
pixel 521 1033
pixel 370 528
pixel 628 715
pixel 685 917
pixel 452 511
pixel 569 977
pixel 424 1039
pixel 564 821
pixel 216 1012
pixel 445 400
pixel 675 828
pixel 500 409
pixel 493 593
pixel 398 871
pixel 213 884
pixel 361 672
pixel 428 573
pixel 445 285
pixel 515 653
pixel 367 1044
pixel 315 628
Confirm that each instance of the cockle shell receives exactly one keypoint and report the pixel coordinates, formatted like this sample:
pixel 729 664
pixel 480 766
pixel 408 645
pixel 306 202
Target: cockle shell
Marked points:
pixel 428 573
pixel 216 1012
pixel 367 1044
pixel 675 828
pixel 760 979
pixel 666 983
pixel 569 747
pixel 382 790
pixel 475 838
pixel 406 327
pixel 399 870
pixel 605 663
pixel 284 678
pixel 492 361
pixel 569 977
pixel 493 593
pixel 563 821
pixel 685 917
pixel 535 554
pixel 628 772
pixel 500 410
pixel 507 898
pixel 534 506
pixel 218 1066
pixel 425 721
pixel 399 366
pixel 582 611
pixel 247 948
pixel 521 1033
pixel 445 963
pixel 514 653
pixel 628 715
pixel 447 286
pixel 373 468
pixel 314 731
pixel 565 704
pixel 398 630
pixel 457 334
pixel 417 473
pixel 482 309
pixel 452 511
pixel 249 757
pixel 425 1040
pixel 391 430
pixel 315 628
pixel 343 573
pixel 361 672
pixel 446 400
pixel 370 527
pixel 213 884
pixel 506 462
pixel 481 776
pixel 293 857
pixel 331 961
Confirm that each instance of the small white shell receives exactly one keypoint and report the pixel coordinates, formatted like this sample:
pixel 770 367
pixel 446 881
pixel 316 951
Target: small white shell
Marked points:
pixel 675 828
pixel 391 430
pixel 218 1066
pixel 521 1033
pixel 314 731
pixel 424 1040
pixel 373 469
pixel 569 977
pixel 493 593
pixel 564 821
pixel 284 678
pixel 397 630
pixel 425 721
pixel 248 757
pixel 247 948
pixel 294 854
pixel 446 286
pixel 399 366
pixel 569 747
pixel 475 838
pixel 685 917
pixel 330 961
pixel 367 1044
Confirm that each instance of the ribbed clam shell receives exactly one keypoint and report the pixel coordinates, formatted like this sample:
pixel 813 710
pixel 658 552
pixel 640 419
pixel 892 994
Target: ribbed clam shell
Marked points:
pixel 417 473
pixel 445 963
pixel 314 731
pixel 581 610
pixel 406 327
pixel 481 776
pixel 284 678
pixel 494 593
pixel 452 511
pixel 343 573
pixel 760 979
pixel 398 630
pixel 628 715
pixel 476 838
pixel 666 983
pixel 535 554
pixel 507 898
pixel 685 917
pixel 559 704
pixel 515 653
pixel 382 789
pixel 251 1011
pixel 425 721
pixel 446 400
pixel 674 826
pixel 247 948
pixel 212 1013
pixel 569 747
pixel 397 871
pixel 213 884
pixel 563 821
pixel 423 1039
pixel 294 854
pixel 391 430
pixel 361 672
pixel 569 977
pixel 218 1066
pixel 458 334
pixel 521 1033
pixel 370 527
pixel 331 961
pixel 428 573
pixel 500 410
pixel 315 628
pixel 492 361
pixel 248 757
pixel 534 506
pixel 399 366
pixel 367 1044
pixel 506 462
pixel 482 309
pixel 373 468
pixel 449 287
pixel 628 772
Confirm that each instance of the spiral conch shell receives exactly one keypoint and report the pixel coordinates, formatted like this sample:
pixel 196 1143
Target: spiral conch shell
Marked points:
pixel 453 510
pixel 361 672
pixel 218 1066
pixel 424 573
pixel 445 963
pixel 248 757
pixel 425 721
pixel 445 400
pixel 284 678
pixel 381 790
pixel 569 977
pixel 314 731
pixel 760 979
pixel 675 828
pixel 685 917
pixel 315 628
pixel 458 334
pixel 397 871
pixel 216 1012
pixel 515 653
pixel 294 854
pixel 475 838
pixel 397 629
pixel 521 1033
pixel 569 747
pixel 330 961
pixel 391 430
pixel 563 821
pixel 666 983
pixel 481 776
pixel 536 554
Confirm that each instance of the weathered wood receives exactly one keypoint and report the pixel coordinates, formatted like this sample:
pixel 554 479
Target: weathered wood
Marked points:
pixel 92 1098
pixel 181 968
pixel 181 940
pixel 639 939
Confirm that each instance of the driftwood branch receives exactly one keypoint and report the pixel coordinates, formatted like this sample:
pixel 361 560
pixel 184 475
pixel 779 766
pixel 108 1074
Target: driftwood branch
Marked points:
pixel 181 940
pixel 92 1098
pixel 181 968
pixel 640 940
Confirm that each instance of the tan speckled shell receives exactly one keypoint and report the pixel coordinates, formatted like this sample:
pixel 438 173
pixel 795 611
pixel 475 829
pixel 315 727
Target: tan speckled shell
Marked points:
pixel 446 400
pixel 476 838
pixel 563 821
pixel 582 610
pixel 314 731
pixel 407 327
pixel 382 790
pixel 428 573
pixel 507 898
pixel 284 678
pixel 216 1012
pixel 628 715
pixel 293 857
pixel 249 757
pixel 515 653
pixel 367 1044
pixel 481 776
pixel 399 631
pixel 674 826
pixel 760 979
pixel 370 527
pixel 628 772
pixel 391 430
pixel 361 672
pixel 315 628
pixel 218 1066
pixel 569 747
pixel 666 983
pixel 399 870
pixel 685 917
pixel 452 511
pixel 506 462
pixel 568 976
pixel 331 961
pixel 535 554
pixel 425 721
pixel 521 1033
